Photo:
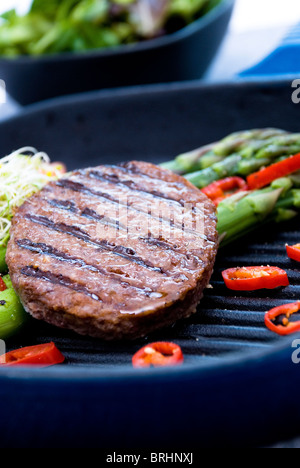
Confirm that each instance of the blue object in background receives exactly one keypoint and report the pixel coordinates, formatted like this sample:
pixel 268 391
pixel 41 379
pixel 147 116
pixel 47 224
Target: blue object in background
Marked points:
pixel 285 60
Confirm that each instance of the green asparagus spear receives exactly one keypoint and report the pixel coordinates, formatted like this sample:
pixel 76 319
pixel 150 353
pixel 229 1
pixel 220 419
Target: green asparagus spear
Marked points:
pixel 295 178
pixel 248 166
pixel 239 154
pixel 246 143
pixel 225 168
pixel 287 207
pixel 240 140
pixel 237 165
pixel 198 159
pixel 245 212
pixel 237 217
pixel 242 154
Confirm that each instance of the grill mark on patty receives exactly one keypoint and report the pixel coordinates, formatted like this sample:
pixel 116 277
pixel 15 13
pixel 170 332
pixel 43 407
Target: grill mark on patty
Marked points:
pixel 92 214
pixel 75 231
pixel 131 168
pixel 33 272
pixel 130 184
pixel 78 187
pixel 167 246
pixel 159 243
pixel 86 212
pixel 62 204
pixel 48 250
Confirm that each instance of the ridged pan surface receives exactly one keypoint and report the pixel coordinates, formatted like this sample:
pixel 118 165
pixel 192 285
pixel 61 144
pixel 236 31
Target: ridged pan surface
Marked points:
pixel 227 321
pixel 235 369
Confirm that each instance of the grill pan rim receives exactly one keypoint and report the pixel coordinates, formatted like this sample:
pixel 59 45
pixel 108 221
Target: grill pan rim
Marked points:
pixel 93 372
pixel 138 90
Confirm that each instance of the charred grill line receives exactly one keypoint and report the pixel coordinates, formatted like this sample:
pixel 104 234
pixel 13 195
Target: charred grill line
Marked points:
pixel 131 168
pixel 92 214
pixel 114 179
pixel 174 248
pixel 86 213
pixel 164 244
pixel 32 272
pixel 159 243
pixel 50 251
pixel 75 231
pixel 63 204
pixel 78 187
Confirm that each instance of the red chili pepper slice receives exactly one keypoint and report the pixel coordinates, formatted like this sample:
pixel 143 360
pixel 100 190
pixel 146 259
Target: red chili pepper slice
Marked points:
pixel 266 176
pixel 3 286
pixel 287 327
pixel 43 355
pixel 221 189
pixel 213 191
pixel 255 278
pixel 158 354
pixel 293 252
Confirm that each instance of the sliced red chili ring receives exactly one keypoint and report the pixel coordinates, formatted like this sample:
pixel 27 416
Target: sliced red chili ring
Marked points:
pixel 293 252
pixel 158 354
pixel 3 286
pixel 42 355
pixel 221 189
pixel 254 278
pixel 285 327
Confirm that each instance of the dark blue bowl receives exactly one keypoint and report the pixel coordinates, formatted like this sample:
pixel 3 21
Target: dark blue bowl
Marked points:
pixel 184 55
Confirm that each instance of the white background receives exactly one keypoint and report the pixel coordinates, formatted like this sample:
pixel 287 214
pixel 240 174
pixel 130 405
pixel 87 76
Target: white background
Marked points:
pixel 261 14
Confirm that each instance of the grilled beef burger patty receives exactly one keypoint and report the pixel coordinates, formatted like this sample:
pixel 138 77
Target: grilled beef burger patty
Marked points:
pixel 113 252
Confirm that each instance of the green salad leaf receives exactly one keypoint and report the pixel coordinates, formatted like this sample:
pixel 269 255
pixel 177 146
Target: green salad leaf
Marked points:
pixel 55 26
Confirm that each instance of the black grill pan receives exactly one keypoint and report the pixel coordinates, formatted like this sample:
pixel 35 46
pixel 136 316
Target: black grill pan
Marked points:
pixel 238 384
